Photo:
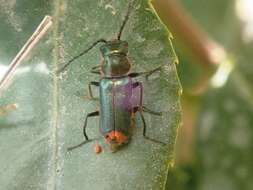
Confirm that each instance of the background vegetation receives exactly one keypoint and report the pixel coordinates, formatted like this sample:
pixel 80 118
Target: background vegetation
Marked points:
pixel 214 43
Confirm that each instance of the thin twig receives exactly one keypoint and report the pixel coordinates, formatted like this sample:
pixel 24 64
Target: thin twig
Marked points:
pixel 36 36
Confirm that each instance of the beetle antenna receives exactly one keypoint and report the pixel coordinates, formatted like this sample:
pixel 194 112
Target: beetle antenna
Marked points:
pixel 125 19
pixel 81 54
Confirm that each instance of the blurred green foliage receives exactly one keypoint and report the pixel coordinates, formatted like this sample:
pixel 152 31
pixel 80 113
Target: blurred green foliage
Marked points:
pixel 223 151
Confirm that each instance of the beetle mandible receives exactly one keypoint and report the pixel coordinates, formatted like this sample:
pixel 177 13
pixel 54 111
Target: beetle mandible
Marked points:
pixel 115 91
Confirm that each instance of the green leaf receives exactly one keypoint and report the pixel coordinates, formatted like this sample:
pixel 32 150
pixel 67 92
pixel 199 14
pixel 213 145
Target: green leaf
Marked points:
pixel 51 110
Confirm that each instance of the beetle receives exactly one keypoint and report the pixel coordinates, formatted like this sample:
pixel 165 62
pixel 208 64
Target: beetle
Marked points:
pixel 116 88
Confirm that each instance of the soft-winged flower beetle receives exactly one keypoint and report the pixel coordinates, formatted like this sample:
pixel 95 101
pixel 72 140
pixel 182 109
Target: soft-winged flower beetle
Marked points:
pixel 116 88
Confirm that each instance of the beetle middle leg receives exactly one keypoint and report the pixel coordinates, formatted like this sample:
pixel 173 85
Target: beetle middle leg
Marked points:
pixel 90 96
pixel 92 114
pixel 144 108
pixel 95 70
pixel 94 83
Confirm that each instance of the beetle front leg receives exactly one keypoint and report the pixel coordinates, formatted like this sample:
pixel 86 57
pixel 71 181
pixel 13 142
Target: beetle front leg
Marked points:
pixel 146 73
pixel 96 69
pixel 92 114
pixel 94 83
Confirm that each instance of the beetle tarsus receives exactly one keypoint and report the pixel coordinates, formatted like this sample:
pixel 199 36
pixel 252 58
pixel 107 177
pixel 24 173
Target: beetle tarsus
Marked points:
pixel 148 73
pixel 155 141
pixel 78 145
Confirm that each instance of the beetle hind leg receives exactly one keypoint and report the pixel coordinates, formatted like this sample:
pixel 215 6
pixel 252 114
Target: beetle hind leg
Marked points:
pixel 140 110
pixel 92 114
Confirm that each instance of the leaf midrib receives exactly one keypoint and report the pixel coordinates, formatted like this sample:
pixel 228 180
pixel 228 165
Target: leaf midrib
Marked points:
pixel 55 166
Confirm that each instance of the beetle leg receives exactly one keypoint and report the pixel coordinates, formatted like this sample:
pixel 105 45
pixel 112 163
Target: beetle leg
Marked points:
pixel 94 83
pixel 144 108
pixel 140 110
pixel 92 114
pixel 76 146
pixel 96 69
pixel 146 73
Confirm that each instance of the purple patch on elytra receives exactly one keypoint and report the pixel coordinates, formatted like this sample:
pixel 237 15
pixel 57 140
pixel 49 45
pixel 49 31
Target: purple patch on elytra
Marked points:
pixel 125 96
pixel 122 96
